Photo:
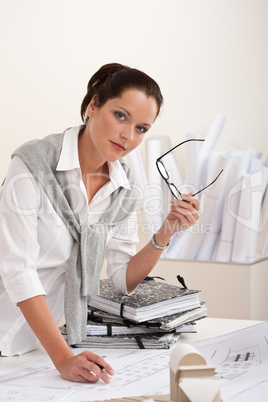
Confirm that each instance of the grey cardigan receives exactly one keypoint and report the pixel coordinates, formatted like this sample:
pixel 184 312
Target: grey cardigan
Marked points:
pixel 87 256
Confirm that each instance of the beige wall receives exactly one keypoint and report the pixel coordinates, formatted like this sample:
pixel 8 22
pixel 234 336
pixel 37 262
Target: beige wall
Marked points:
pixel 229 290
pixel 208 56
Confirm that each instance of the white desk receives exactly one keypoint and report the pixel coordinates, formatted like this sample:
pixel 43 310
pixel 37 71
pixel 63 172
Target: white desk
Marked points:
pixel 206 328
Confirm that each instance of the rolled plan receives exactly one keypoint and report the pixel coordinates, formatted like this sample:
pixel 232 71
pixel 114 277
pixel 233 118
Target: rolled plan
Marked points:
pixel 212 136
pixel 248 218
pixel 193 240
pixel 209 144
pixel 239 167
pixel 213 204
pixel 192 162
pixel 262 248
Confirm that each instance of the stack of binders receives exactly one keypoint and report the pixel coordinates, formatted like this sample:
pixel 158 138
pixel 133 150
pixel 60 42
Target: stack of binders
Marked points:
pixel 152 317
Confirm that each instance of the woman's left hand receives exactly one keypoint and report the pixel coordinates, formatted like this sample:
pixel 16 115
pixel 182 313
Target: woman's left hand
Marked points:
pixel 183 213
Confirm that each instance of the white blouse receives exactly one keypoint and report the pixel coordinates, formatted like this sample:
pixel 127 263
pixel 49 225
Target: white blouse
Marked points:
pixel 35 245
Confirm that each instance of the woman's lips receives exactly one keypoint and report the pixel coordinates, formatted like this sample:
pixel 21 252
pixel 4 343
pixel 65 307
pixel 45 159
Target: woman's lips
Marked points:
pixel 118 146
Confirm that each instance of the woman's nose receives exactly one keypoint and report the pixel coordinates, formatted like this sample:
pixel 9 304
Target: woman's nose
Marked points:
pixel 128 133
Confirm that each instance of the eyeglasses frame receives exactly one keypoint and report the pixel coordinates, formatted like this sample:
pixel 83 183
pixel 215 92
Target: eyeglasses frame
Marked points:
pixel 158 160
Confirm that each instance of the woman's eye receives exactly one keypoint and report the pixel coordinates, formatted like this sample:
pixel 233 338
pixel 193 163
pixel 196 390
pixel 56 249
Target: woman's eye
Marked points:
pixel 141 129
pixel 120 115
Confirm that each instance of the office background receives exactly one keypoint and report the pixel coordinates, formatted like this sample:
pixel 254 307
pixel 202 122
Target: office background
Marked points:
pixel 208 56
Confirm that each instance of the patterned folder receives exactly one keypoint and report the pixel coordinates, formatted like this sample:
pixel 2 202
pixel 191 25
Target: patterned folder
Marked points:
pixel 150 300
pixel 149 318
pixel 166 323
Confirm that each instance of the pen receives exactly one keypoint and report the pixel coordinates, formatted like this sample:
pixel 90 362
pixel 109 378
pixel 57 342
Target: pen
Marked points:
pixel 100 366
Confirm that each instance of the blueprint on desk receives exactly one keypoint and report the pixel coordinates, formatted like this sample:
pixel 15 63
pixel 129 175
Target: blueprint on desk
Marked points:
pixel 241 356
pixel 137 372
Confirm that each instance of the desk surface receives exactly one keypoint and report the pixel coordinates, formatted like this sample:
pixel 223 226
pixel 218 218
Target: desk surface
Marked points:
pixel 206 328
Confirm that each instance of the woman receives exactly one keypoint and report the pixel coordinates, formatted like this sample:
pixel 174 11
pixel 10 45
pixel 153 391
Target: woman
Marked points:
pixel 67 202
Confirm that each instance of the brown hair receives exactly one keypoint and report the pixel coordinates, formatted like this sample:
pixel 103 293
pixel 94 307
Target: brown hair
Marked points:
pixel 111 80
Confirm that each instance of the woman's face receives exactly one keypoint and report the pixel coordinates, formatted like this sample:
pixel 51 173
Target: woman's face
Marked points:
pixel 118 127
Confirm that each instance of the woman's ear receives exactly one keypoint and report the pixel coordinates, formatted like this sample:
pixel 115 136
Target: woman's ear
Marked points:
pixel 92 106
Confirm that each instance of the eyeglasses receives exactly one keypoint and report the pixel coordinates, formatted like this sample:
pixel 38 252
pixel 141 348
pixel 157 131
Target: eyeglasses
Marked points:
pixel 163 172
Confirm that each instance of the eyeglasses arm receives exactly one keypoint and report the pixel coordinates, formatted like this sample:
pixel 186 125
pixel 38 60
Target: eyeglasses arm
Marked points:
pixel 208 184
pixel 176 146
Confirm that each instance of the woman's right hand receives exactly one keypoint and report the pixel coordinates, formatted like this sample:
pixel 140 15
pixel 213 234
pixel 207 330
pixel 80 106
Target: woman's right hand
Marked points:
pixel 85 367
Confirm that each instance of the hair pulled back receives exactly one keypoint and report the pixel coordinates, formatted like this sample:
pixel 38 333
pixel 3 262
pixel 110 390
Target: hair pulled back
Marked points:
pixel 111 80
